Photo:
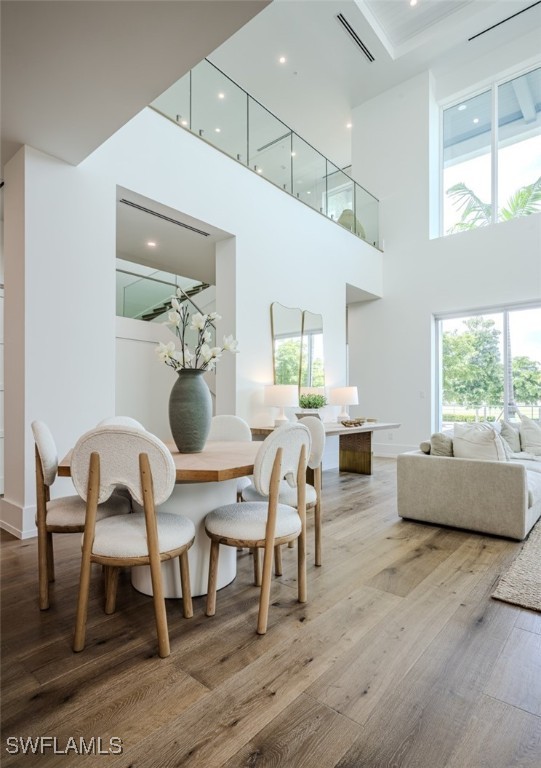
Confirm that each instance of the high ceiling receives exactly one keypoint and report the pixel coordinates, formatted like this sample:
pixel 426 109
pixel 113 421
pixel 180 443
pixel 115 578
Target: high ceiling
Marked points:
pixel 74 72
pixel 326 74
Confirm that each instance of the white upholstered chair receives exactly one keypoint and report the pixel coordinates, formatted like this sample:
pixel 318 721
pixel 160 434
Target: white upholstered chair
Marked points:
pixel 313 492
pixel 63 515
pixel 122 421
pixel 225 428
pixel 101 459
pixel 266 524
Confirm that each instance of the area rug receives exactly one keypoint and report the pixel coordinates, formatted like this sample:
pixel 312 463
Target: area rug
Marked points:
pixel 521 584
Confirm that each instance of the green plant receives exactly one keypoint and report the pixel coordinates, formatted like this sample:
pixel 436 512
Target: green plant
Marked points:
pixel 312 401
pixel 476 213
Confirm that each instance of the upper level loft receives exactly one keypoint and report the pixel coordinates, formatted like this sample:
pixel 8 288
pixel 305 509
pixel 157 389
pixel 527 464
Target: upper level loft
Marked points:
pixel 209 104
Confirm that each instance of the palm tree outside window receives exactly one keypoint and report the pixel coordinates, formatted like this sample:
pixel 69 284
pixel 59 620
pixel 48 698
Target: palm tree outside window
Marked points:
pixel 492 155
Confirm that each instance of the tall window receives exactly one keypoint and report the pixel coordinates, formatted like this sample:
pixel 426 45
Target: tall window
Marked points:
pixel 490 365
pixel 492 155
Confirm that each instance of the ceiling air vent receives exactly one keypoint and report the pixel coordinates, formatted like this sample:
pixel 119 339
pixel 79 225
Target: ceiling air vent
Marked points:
pixel 503 21
pixel 165 218
pixel 355 37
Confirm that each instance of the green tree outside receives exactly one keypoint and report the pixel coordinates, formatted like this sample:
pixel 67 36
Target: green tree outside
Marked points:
pixel 473 368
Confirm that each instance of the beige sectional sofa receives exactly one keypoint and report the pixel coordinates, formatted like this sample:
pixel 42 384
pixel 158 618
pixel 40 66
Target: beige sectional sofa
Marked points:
pixel 498 497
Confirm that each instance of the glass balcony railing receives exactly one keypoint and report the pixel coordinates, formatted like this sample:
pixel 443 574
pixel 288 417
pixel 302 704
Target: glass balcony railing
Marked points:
pixel 213 107
pixel 148 297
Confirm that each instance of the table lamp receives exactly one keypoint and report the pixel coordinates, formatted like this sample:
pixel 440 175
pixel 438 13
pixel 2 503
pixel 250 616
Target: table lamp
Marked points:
pixel 344 396
pixel 281 396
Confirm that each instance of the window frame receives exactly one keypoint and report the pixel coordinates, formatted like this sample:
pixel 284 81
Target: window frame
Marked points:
pixel 437 321
pixel 491 86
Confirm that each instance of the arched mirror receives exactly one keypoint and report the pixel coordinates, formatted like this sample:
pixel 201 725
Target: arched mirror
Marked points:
pixel 286 327
pixel 312 358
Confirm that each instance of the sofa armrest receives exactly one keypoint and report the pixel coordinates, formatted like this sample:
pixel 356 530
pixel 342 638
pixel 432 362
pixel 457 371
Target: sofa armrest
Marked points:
pixel 487 496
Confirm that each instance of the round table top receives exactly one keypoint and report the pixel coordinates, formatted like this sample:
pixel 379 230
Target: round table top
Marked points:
pixel 219 460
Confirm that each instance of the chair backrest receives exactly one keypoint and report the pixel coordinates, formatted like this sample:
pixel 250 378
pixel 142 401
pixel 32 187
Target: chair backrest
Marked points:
pixel 290 438
pixel 47 451
pixel 227 427
pixel 119 449
pixel 317 431
pixel 124 421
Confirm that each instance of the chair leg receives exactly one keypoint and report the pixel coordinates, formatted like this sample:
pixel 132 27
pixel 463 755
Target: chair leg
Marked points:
pixel 278 560
pixel 213 577
pixel 264 597
pixel 317 527
pixel 301 566
pixel 43 571
pixel 50 557
pixel 82 605
pixel 159 610
pixel 111 584
pixel 257 566
pixel 187 607
pixel 291 544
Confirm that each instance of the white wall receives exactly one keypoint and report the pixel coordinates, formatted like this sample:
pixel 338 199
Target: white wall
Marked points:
pixel 391 340
pixel 60 252
pixel 1 356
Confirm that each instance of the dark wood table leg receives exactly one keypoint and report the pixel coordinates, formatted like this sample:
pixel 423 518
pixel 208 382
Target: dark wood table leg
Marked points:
pixel 356 453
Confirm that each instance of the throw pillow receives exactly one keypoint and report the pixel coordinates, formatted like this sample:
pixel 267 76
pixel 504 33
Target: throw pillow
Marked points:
pixel 511 436
pixel 530 435
pixel 478 441
pixel 425 446
pixel 441 445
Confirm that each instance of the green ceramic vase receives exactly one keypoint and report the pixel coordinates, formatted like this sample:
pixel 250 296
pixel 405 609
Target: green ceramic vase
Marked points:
pixel 190 411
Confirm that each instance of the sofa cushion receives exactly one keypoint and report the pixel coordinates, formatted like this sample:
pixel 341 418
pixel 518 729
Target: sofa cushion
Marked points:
pixel 530 436
pixel 478 441
pixel 425 446
pixel 528 461
pixel 511 436
pixel 441 445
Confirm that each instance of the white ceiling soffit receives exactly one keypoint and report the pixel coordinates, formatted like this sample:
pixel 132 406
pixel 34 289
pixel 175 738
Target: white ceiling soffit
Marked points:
pixel 74 72
pixel 183 245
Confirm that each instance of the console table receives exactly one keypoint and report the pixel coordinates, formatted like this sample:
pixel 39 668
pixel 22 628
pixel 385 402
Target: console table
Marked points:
pixel 355 446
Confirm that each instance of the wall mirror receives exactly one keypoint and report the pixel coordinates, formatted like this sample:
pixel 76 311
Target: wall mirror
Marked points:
pixel 286 328
pixel 312 359
pixel 297 346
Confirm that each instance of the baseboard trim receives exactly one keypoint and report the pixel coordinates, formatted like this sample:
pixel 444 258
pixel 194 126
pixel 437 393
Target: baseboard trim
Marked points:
pixel 13 518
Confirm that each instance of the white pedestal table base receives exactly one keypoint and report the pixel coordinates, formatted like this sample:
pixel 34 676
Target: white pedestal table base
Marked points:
pixel 194 500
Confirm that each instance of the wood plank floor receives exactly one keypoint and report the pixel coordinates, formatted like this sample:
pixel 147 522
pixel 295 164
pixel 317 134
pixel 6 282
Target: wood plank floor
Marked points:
pixel 400 659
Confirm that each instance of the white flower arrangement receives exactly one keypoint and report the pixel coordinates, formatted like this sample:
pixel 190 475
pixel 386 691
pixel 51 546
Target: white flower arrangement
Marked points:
pixel 202 357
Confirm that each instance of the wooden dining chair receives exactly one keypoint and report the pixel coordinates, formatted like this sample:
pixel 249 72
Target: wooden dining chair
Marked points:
pixel 313 490
pixel 266 524
pixel 101 459
pixel 61 515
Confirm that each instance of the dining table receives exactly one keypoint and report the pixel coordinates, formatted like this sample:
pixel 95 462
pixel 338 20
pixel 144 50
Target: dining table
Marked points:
pixel 204 481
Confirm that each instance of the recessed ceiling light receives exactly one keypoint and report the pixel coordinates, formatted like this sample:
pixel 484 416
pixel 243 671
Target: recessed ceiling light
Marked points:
pixel 462 107
pixel 184 122
pixel 260 170
pixel 221 95
pixel 151 243
pixel 293 154
pixel 413 3
pixel 308 192
pixel 282 59
pixel 475 120
pixel 218 130
pixel 349 125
